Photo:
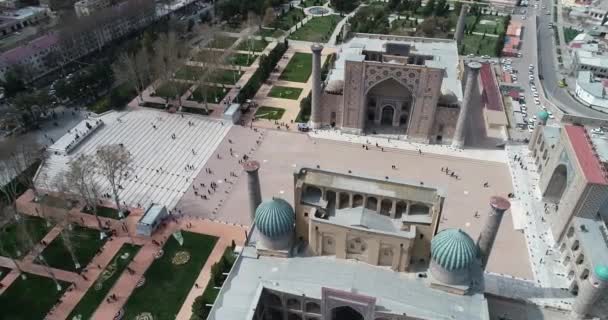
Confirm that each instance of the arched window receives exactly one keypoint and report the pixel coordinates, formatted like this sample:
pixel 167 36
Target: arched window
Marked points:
pixel 345 313
pixel 584 274
pixel 357 201
pixel 313 307
pixel 372 203
pixel 575 245
pixel 385 206
pixel 294 304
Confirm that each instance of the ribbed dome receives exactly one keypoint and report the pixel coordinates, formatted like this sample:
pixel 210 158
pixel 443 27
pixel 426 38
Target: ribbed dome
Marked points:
pixel 601 271
pixel 274 218
pixel 453 249
pixel 543 115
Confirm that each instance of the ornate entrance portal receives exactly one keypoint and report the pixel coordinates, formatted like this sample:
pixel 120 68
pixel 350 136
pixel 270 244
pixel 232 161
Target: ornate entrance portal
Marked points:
pixel 389 104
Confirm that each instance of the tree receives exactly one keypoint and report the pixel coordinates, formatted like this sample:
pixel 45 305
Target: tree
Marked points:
pixel 344 6
pixel 133 69
pixel 169 53
pixel 441 8
pixel 80 177
pixel 114 163
pixel 269 17
pixel 429 8
pixel 8 217
pixel 12 83
pixel 32 105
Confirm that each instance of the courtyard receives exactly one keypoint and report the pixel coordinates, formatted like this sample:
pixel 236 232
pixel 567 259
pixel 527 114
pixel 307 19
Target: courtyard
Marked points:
pixel 318 29
pixel 465 196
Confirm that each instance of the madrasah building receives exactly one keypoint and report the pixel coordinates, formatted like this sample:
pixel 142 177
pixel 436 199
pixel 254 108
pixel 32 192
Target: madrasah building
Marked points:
pixel 363 248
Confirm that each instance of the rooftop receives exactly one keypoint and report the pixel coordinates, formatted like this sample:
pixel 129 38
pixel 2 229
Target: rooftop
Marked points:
pixel 444 56
pixel 152 214
pixel 586 81
pixel 369 220
pixel 593 237
pixel 585 154
pixel 395 292
pixel 491 92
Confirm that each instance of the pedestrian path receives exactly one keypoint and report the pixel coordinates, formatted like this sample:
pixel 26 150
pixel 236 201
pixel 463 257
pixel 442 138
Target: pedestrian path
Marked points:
pixel 494 155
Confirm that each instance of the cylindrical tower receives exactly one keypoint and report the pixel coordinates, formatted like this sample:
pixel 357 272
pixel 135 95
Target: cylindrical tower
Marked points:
pixel 488 234
pixel 253 182
pixel 459 33
pixel 315 104
pixel 471 84
pixel 590 291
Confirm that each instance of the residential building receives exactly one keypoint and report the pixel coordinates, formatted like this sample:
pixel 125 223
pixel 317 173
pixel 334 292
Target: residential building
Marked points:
pixel 589 61
pixel 591 90
pixel 12 21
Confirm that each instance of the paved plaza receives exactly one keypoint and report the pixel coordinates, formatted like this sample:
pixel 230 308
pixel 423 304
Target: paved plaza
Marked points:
pixel 168 150
pixel 281 152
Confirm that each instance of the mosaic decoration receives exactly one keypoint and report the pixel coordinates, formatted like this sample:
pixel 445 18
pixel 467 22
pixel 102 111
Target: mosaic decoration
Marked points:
pixel 144 316
pixel 181 257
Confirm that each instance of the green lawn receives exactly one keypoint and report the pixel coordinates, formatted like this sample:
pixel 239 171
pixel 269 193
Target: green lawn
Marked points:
pixel 272 33
pixel 241 59
pixel 226 76
pixel 222 42
pixel 214 94
pixel 252 45
pixel 299 68
pixel 270 113
pixel 318 29
pixel 167 284
pixel 85 241
pixel 31 298
pixel 570 34
pixel 487 24
pixel 476 45
pixel 288 20
pixel 95 295
pixel 188 73
pixel 312 3
pixel 170 90
pixel 11 235
pixel 285 92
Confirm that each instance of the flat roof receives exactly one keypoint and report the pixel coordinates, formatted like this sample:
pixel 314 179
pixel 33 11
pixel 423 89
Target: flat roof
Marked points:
pixel 363 218
pixel 592 235
pixel 154 210
pixel 490 89
pixel 395 292
pixel 399 189
pixel 583 149
pixel 444 52
pixel 551 135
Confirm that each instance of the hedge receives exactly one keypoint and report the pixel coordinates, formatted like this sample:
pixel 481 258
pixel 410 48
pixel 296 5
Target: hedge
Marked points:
pixel 266 65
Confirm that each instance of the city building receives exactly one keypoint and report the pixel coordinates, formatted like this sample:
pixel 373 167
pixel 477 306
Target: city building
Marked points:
pixel 589 61
pixel 393 84
pixel 348 268
pixel 591 12
pixel 571 160
pixel 512 39
pixel 12 21
pixel 592 91
pixel 88 7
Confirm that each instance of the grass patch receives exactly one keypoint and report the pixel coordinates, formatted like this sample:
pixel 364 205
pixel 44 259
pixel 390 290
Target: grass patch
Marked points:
pixel 252 45
pixel 270 113
pixel 188 73
pixel 570 34
pixel 272 33
pixel 214 94
pixel 478 45
pixel 285 92
pixel 12 239
pixel 172 89
pixel 95 295
pixel 168 282
pixel 226 76
pixel 85 243
pixel 288 19
pixel 31 298
pixel 312 3
pixel 318 29
pixel 222 42
pixel 299 68
pixel 106 212
pixel 241 59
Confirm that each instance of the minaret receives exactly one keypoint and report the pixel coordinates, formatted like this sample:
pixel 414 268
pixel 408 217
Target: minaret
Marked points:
pixel 315 104
pixel 590 290
pixel 253 182
pixel 462 19
pixel 488 234
pixel 471 84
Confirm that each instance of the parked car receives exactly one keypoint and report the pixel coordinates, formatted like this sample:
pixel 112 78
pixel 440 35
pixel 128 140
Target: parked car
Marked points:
pixel 303 127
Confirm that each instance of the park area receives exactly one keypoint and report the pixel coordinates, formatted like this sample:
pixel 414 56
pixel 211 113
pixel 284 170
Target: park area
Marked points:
pixel 253 45
pixel 222 42
pixel 269 113
pixel 169 278
pixel 285 92
pixel 29 298
pixel 299 68
pixel 318 29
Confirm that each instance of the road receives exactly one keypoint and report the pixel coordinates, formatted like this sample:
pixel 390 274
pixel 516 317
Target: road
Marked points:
pixel 549 70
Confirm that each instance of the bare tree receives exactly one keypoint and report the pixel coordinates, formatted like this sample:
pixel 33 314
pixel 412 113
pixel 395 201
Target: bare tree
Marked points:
pixel 114 163
pixel 133 69
pixel 169 54
pixel 81 178
pixel 61 217
pixel 7 217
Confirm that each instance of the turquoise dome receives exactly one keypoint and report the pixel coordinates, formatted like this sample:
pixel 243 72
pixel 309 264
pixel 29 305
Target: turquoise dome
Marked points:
pixel 601 271
pixel 453 249
pixel 274 218
pixel 543 115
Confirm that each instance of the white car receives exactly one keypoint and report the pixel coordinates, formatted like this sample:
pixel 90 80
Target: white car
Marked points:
pixel 533 87
pixel 531 66
pixel 537 102
pixel 531 77
pixel 534 117
pixel 597 131
pixel 535 94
